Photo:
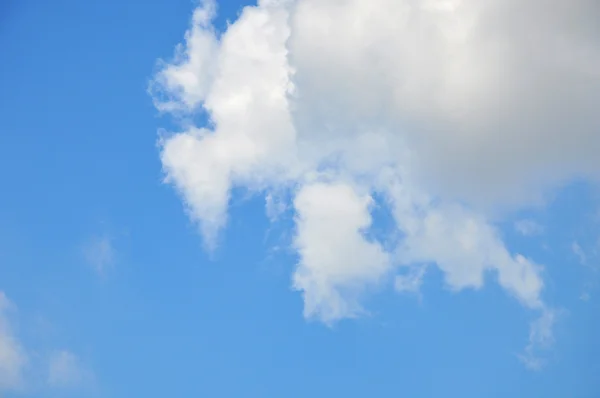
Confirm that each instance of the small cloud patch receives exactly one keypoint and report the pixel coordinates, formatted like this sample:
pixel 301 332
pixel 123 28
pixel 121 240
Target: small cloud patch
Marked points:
pixel 99 253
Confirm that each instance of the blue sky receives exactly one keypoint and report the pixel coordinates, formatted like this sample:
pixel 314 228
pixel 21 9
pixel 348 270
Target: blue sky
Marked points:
pixel 118 284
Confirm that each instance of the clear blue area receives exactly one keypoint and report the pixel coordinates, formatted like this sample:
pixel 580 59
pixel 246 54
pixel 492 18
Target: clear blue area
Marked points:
pixel 79 159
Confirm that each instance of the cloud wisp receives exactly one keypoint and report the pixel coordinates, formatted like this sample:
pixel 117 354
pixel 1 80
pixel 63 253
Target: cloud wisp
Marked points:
pixel 527 227
pixel 65 370
pixel 21 367
pixel 99 253
pixel 13 359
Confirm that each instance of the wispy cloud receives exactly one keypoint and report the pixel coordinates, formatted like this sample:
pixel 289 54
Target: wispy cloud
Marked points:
pixel 25 370
pixel 541 338
pixel 99 253
pixel 590 259
pixel 13 358
pixel 578 251
pixel 529 227
pixel 275 206
pixel 65 370
pixel 411 281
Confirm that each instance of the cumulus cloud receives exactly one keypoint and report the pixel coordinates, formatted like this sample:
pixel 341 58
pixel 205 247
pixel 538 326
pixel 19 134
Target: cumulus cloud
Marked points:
pixel 337 261
pixel 451 111
pixel 12 355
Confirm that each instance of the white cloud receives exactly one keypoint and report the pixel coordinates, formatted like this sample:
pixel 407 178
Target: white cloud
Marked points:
pixel 588 258
pixel 21 367
pixel 541 338
pixel 585 296
pixel 99 253
pixel 185 84
pixel 336 261
pixel 65 370
pixel 275 206
pixel 495 98
pixel 465 246
pixel 12 355
pixel 528 227
pixel 578 251
pixel 410 281
pixel 450 110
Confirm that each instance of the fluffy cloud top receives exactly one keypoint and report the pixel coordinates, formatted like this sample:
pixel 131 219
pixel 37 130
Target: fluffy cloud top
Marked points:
pixel 449 110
